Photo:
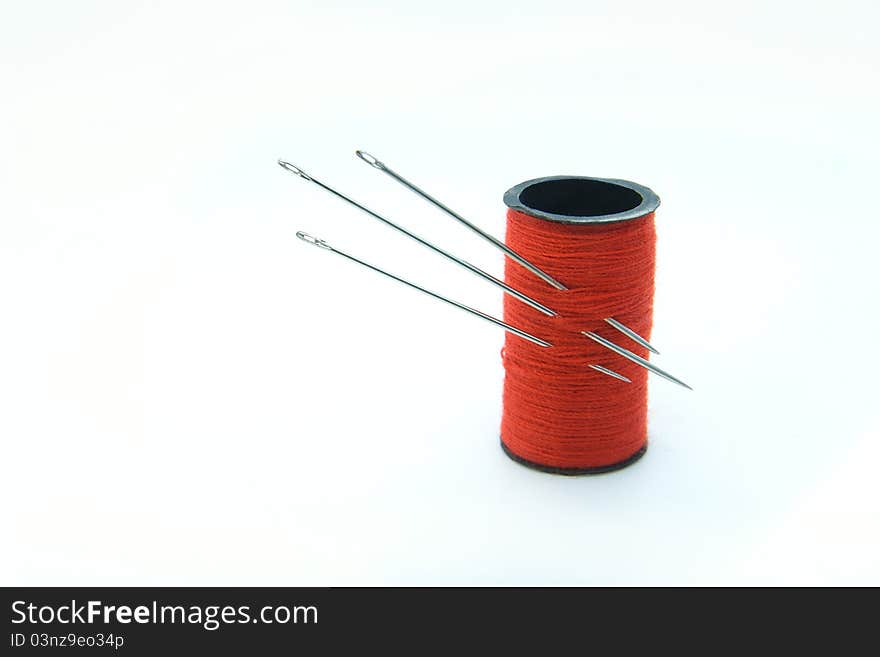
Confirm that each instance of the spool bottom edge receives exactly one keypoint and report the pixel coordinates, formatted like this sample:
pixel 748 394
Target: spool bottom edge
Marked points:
pixel 574 472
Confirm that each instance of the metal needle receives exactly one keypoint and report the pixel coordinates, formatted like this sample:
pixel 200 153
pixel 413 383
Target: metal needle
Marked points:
pixel 321 243
pixel 372 161
pixel 473 268
pixel 632 335
pixel 634 358
pixel 384 168
pixel 611 373
pixel 527 336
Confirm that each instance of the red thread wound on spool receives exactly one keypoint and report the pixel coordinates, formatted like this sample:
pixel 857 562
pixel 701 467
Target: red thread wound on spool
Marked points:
pixel 560 415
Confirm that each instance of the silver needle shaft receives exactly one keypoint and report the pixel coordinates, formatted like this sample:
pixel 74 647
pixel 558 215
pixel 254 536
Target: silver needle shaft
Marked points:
pixel 305 237
pixel 472 268
pixel 626 353
pixel 384 168
pixel 610 373
pixel 632 335
pixel 321 243
pixel 513 255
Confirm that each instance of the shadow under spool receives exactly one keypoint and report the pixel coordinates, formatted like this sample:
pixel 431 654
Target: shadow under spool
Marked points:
pixel 586 202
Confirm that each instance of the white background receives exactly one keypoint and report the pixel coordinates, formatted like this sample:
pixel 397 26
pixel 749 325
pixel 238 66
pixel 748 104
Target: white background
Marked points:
pixel 189 395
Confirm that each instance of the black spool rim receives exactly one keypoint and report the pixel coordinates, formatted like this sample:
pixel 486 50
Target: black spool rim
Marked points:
pixel 645 203
pixel 574 472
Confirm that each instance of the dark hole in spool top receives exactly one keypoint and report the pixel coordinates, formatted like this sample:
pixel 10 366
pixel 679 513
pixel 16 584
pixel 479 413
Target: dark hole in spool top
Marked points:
pixel 575 197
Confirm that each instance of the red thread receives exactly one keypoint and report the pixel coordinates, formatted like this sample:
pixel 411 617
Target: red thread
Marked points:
pixel 557 411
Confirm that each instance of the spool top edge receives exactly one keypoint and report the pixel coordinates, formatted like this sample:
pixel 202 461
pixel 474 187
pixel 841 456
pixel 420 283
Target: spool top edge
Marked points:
pixel 649 201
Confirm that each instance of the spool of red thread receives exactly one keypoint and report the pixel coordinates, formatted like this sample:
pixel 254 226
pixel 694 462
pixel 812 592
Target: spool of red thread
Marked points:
pixel 597 237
